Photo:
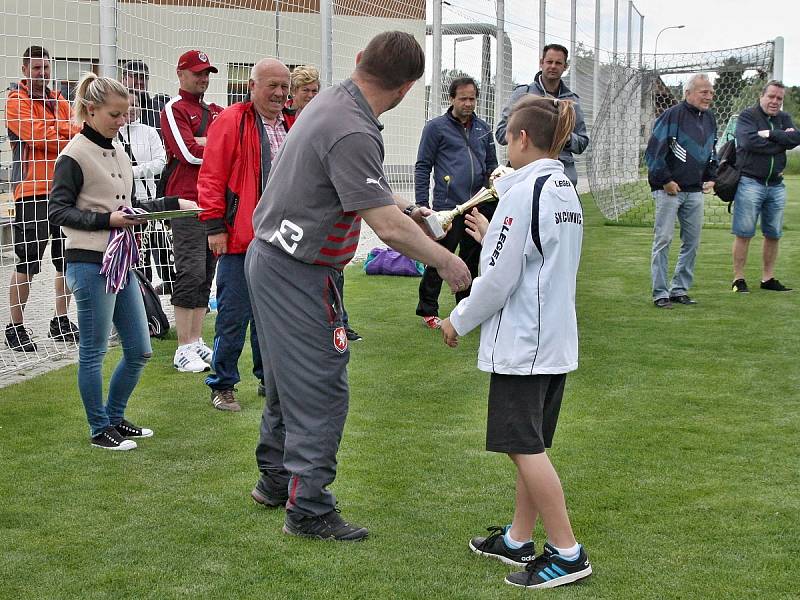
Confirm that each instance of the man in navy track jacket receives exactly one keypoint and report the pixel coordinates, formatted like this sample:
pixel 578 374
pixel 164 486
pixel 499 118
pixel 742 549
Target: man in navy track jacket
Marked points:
pixel 681 165
pixel 458 147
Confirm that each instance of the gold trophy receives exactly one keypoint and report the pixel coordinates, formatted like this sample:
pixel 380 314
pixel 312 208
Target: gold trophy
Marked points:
pixel 439 222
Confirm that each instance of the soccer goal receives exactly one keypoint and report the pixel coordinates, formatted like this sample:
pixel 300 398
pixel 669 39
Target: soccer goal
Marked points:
pixel 636 97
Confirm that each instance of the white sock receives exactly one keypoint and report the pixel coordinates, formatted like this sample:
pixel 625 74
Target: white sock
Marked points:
pixel 511 542
pixel 571 553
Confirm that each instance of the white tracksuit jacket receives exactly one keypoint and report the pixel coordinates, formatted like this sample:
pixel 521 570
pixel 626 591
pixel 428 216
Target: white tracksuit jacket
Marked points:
pixel 524 299
pixel 150 156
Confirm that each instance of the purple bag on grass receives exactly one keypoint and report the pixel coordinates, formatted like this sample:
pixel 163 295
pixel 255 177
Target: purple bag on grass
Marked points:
pixel 385 261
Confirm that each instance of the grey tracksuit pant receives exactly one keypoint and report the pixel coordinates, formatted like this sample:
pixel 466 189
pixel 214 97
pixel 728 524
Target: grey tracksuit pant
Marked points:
pixel 298 315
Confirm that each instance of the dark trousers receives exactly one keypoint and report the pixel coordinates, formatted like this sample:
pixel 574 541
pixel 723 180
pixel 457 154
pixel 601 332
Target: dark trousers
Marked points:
pixel 298 312
pixel 194 264
pixel 234 314
pixel 470 252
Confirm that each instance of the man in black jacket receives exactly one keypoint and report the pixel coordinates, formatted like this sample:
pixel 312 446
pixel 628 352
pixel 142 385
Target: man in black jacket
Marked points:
pixel 763 135
pixel 136 77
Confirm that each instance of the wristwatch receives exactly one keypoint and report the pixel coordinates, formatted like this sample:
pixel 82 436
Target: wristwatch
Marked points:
pixel 410 209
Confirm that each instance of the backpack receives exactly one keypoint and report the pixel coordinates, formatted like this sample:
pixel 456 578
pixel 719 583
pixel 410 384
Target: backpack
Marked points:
pixel 727 174
pixel 157 322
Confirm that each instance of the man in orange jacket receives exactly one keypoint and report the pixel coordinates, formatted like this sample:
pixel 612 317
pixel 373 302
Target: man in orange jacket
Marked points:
pixel 39 126
pixel 242 143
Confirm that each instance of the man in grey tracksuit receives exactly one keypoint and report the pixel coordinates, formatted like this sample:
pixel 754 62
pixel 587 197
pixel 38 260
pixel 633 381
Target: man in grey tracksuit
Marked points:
pixel 548 84
pixel 326 178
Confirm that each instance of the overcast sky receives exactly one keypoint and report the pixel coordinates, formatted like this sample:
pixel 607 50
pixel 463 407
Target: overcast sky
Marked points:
pixel 709 25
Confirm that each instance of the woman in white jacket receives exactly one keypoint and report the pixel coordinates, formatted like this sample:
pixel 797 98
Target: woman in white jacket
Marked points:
pixel 146 150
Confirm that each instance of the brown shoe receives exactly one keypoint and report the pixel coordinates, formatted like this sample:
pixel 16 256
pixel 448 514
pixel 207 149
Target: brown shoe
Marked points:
pixel 224 400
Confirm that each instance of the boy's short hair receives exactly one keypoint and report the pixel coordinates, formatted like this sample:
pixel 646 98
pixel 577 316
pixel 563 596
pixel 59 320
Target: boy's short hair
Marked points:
pixel 548 122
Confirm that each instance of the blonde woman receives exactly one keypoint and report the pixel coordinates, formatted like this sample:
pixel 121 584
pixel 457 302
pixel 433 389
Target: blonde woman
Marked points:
pixel 92 199
pixel 304 86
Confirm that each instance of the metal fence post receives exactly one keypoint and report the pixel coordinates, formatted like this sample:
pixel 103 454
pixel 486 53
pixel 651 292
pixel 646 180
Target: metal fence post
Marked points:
pixel 326 48
pixel 436 62
pixel 108 38
pixel 777 59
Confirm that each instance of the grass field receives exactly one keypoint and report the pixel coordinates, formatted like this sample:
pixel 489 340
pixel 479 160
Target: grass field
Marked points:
pixel 679 446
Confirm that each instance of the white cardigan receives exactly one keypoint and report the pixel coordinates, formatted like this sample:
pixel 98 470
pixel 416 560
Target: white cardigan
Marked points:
pixel 150 156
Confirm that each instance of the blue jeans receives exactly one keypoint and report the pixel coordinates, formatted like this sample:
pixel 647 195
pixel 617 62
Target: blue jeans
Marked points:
pixel 687 208
pixel 754 199
pixel 234 314
pixel 96 311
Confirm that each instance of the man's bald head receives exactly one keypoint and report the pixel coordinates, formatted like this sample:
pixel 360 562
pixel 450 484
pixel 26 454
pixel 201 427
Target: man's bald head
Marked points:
pixel 269 87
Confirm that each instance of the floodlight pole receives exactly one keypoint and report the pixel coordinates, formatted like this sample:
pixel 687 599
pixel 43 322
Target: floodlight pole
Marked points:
pixel 542 24
pixel 655 49
pixel 573 69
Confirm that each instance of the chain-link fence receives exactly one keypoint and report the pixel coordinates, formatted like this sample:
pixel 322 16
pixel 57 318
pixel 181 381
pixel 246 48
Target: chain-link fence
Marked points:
pixel 497 42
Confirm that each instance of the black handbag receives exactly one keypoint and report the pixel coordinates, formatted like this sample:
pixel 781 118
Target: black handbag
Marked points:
pixel 727 174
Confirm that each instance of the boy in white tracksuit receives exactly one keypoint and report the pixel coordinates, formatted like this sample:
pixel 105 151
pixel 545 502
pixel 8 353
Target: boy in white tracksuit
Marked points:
pixel 524 301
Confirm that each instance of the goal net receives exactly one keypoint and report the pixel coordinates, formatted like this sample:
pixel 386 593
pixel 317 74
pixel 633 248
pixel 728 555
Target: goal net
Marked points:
pixel 635 98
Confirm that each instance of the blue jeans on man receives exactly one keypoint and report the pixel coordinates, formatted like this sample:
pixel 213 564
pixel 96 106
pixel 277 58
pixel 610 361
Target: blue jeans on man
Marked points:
pixel 687 209
pixel 97 309
pixel 234 314
pixel 753 200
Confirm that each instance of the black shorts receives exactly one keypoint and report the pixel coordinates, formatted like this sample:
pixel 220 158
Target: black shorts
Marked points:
pixel 194 264
pixel 523 412
pixel 32 231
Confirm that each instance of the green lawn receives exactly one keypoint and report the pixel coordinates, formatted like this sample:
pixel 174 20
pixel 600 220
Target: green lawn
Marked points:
pixel 679 447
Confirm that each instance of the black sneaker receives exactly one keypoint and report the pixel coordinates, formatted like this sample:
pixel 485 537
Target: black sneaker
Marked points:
pixel 352 335
pixel 18 338
pixel 111 439
pixel 129 430
pixel 329 526
pixel 494 546
pixel 682 299
pixel 774 285
pixel 63 330
pixel 663 303
pixel 551 570
pixel 740 285
pixel 264 499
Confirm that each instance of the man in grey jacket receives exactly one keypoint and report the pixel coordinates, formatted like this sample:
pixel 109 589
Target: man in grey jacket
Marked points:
pixel 548 84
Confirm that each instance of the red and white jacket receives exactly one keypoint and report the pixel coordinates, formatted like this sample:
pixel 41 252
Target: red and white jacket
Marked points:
pixel 180 124
pixel 229 185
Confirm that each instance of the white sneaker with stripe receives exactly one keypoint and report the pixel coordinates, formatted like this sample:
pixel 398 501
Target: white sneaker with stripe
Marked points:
pixel 187 361
pixel 204 352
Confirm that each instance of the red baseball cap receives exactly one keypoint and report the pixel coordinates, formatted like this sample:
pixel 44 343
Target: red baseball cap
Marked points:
pixel 195 60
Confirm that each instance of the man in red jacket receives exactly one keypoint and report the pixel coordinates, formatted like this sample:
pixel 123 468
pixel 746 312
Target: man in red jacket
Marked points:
pixel 184 122
pixel 241 146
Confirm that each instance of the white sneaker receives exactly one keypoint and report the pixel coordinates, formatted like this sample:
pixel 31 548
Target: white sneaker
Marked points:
pixel 204 352
pixel 187 361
